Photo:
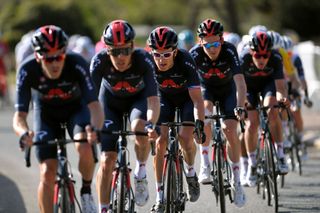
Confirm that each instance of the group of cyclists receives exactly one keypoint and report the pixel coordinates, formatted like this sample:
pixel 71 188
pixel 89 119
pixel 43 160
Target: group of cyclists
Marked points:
pixel 149 86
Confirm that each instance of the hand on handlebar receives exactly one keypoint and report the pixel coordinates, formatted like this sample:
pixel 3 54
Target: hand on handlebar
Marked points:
pixel 285 102
pixel 198 132
pixel 307 102
pixel 92 134
pixel 153 131
pixel 26 139
pixel 241 113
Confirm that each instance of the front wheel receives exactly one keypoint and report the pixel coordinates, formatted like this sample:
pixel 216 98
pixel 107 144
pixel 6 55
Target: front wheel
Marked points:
pixel 221 195
pixel 170 187
pixel 64 198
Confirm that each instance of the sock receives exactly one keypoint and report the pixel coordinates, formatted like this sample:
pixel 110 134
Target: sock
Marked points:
pixel 243 164
pixel 159 196
pixel 280 150
pixel 204 150
pixel 252 159
pixel 236 172
pixel 140 171
pixel 104 207
pixel 190 171
pixel 86 187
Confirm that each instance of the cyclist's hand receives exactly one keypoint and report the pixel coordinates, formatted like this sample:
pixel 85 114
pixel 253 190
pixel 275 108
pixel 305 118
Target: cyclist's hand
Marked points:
pixel 198 132
pixel 241 113
pixel 285 102
pixel 92 135
pixel 153 131
pixel 26 139
pixel 307 102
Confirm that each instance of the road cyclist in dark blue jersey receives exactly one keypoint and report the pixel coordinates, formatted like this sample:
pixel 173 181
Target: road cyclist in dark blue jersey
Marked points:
pixel 62 91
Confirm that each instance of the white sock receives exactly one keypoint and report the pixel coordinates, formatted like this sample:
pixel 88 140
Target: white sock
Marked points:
pixel 103 206
pixel 236 171
pixel 244 164
pixel 190 172
pixel 159 192
pixel 280 150
pixel 252 159
pixel 140 171
pixel 204 150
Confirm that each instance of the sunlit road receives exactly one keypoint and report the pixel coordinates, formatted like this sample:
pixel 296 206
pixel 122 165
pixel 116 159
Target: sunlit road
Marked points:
pixel 19 184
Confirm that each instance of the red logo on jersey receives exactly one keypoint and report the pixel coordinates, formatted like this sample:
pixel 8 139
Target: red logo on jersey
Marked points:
pixel 124 85
pixel 214 72
pixel 57 93
pixel 260 74
pixel 169 83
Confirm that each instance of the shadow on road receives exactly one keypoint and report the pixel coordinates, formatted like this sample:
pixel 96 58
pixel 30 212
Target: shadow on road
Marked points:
pixel 10 197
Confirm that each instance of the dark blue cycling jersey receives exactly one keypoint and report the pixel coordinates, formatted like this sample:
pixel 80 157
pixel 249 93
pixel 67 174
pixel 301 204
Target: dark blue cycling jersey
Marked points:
pixel 219 72
pixel 70 88
pixel 255 77
pixel 179 78
pixel 138 78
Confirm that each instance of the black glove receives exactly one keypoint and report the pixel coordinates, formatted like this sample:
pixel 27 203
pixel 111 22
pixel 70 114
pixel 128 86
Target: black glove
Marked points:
pixel 149 125
pixel 198 130
pixel 21 143
pixel 307 102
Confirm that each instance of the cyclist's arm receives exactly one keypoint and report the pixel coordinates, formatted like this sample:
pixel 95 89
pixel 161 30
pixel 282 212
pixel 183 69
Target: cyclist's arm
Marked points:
pixel 196 97
pixel 281 89
pixel 20 124
pixel 241 89
pixel 97 115
pixel 153 111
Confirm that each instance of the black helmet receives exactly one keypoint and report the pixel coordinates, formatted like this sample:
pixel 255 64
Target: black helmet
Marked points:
pixel 261 42
pixel 118 32
pixel 49 38
pixel 210 27
pixel 163 38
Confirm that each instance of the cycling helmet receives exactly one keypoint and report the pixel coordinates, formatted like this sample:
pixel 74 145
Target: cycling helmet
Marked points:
pixel 276 39
pixel 210 27
pixel 287 43
pixel 163 38
pixel 49 38
pixel 261 42
pixel 257 28
pixel 186 38
pixel 118 32
pixel 233 38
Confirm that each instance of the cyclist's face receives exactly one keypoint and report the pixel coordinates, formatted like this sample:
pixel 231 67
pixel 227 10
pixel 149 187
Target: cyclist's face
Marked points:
pixel 52 63
pixel 121 56
pixel 212 46
pixel 164 58
pixel 260 60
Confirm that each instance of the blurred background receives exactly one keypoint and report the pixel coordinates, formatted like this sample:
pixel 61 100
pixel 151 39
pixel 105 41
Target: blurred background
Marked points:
pixel 87 19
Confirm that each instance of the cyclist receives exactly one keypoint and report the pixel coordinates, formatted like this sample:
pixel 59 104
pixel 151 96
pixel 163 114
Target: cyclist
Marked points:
pixel 4 53
pixel 221 79
pixel 62 92
pixel 295 90
pixel 186 39
pixel 232 38
pixel 179 87
pixel 262 67
pixel 125 78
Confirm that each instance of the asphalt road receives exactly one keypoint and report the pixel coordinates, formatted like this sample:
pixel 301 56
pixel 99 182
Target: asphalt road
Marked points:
pixel 18 184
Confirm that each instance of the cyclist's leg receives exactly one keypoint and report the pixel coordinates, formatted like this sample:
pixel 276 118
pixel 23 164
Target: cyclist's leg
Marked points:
pixel 48 163
pixel 142 148
pixel 251 137
pixel 113 121
pixel 76 128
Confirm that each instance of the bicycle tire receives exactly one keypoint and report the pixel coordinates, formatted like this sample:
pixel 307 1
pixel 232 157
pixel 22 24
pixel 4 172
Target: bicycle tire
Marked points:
pixel 298 153
pixel 64 202
pixel 272 185
pixel 121 192
pixel 221 190
pixel 170 187
pixel 180 207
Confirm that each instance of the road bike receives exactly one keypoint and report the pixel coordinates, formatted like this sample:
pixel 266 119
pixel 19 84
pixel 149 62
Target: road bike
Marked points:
pixel 173 170
pixel 221 169
pixel 65 199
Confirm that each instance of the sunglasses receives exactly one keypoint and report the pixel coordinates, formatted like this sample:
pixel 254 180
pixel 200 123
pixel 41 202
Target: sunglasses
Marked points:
pixel 57 58
pixel 164 55
pixel 258 56
pixel 213 44
pixel 123 51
